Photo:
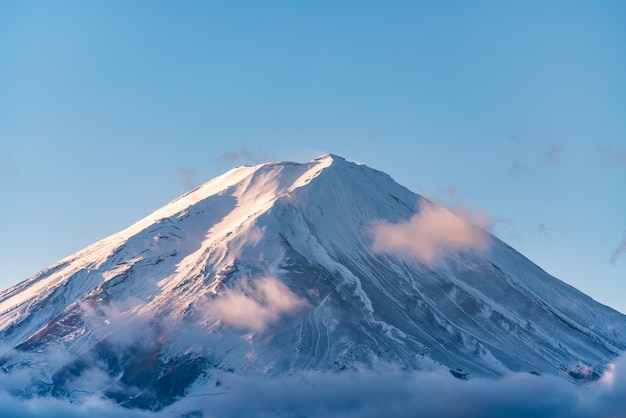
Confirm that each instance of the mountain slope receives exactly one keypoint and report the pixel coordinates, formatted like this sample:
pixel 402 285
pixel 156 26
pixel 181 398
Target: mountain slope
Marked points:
pixel 270 269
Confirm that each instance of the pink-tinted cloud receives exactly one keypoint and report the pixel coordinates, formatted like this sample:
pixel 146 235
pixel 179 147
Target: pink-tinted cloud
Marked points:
pixel 621 249
pixel 553 153
pixel 257 306
pixel 432 233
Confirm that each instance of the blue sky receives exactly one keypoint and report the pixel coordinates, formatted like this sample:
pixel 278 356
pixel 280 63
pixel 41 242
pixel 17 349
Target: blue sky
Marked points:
pixel 109 109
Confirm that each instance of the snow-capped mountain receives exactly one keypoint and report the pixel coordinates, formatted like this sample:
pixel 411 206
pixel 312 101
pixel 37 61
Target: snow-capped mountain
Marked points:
pixel 278 267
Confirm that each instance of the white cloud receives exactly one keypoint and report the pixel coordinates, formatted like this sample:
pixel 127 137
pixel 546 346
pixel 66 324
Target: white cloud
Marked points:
pixel 366 393
pixel 255 306
pixel 120 322
pixel 388 392
pixel 432 233
pixel 394 393
pixel 40 407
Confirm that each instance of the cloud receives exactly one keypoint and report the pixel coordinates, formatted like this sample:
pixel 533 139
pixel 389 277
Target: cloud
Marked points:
pixel 516 136
pixel 553 153
pixel 17 400
pixel 516 168
pixel 395 393
pixel 610 154
pixel 122 323
pixel 621 249
pixel 254 307
pixel 366 393
pixel 189 177
pixel 238 154
pixel 497 225
pixel 433 232
pixel 504 228
pixel 44 407
pixel 245 155
pixel 9 164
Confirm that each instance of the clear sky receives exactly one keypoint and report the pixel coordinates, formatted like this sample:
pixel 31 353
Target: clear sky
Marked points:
pixel 109 109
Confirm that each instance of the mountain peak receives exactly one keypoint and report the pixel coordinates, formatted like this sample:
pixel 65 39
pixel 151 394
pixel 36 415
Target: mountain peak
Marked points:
pixel 271 269
pixel 333 157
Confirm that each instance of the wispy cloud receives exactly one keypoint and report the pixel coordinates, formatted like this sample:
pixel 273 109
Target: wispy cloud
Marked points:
pixel 9 165
pixel 253 305
pixel 433 232
pixel 612 154
pixel 553 153
pixel 516 136
pixel 364 393
pixel 504 227
pixel 621 249
pixel 189 177
pixel 393 393
pixel 40 407
pixel 120 322
pixel 243 154
pixel 495 224
pixel 516 168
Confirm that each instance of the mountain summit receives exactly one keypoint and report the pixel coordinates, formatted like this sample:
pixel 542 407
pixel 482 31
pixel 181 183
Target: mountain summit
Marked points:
pixel 270 269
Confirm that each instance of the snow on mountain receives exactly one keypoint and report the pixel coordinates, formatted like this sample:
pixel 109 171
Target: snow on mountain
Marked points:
pixel 285 267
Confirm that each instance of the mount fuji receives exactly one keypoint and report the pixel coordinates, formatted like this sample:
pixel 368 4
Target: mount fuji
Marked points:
pixel 326 266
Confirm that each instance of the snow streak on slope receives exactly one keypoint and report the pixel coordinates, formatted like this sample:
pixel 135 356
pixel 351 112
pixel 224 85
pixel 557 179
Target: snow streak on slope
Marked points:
pixel 224 204
pixel 271 270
